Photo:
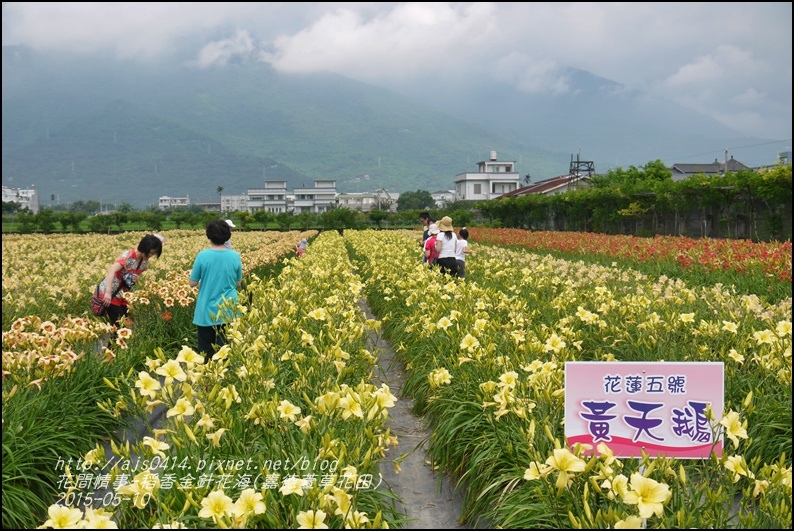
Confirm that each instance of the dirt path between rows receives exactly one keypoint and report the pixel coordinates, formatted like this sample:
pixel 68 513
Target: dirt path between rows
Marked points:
pixel 428 503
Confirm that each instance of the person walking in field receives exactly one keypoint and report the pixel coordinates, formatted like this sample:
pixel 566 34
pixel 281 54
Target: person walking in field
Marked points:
pixel 461 251
pixel 217 272
pixel 446 245
pixel 431 254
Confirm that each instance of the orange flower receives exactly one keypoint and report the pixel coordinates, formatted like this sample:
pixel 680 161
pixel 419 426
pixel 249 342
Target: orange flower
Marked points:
pixel 167 315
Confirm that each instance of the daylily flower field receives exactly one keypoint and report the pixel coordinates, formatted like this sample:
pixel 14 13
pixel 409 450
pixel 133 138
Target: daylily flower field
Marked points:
pixel 285 429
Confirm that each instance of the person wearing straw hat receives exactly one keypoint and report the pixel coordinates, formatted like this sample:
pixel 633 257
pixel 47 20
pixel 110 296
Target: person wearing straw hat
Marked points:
pixel 228 243
pixel 446 246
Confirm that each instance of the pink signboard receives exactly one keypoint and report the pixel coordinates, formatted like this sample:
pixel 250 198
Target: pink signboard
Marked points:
pixel 658 407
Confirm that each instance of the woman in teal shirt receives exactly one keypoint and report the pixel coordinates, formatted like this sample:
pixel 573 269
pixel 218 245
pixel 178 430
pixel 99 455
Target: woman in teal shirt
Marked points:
pixel 218 272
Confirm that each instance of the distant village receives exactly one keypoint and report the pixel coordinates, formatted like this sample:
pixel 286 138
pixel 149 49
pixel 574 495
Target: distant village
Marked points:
pixel 493 179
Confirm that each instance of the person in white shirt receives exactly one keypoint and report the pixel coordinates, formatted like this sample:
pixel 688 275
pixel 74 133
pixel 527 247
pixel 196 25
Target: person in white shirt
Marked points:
pixel 462 251
pixel 228 243
pixel 446 245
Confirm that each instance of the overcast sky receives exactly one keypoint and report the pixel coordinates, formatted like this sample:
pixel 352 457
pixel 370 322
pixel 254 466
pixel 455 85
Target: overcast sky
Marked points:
pixel 731 61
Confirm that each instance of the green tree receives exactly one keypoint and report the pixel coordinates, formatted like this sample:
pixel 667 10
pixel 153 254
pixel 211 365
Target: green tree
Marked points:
pixel 100 223
pixel 339 218
pixel 418 200
pixel 285 220
pixel 264 217
pixel 89 207
pixel 378 216
pixel 45 220
pixel 180 218
pixel 125 208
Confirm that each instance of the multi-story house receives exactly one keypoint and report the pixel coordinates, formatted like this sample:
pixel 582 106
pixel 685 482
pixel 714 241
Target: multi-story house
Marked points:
pixel 492 179
pixel 24 198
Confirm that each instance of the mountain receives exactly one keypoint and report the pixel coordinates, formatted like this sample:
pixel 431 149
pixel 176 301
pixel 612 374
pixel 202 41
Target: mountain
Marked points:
pixel 609 123
pixel 122 131
pixel 125 132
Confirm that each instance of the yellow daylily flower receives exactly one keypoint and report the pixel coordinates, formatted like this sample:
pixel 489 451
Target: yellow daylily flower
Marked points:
pixel 648 495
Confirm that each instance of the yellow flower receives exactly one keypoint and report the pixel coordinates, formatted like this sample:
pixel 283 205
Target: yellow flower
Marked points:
pixel 144 483
pixel 189 357
pixel 292 485
pixel 630 522
pixel 99 519
pixel 734 429
pixel 327 402
pixel 480 324
pixel 94 457
pixel 182 408
pixel 536 471
pixel 735 356
pixel 439 377
pixel 509 379
pixel 288 411
pixel 356 520
pixel 319 314
pixel 305 424
pixel 469 343
pixel 249 502
pixel 384 398
pixel 342 500
pixel 216 437
pixel 444 323
pixel 350 407
pixel 306 339
pixel 783 328
pixel 620 485
pixel 554 343
pixel 738 466
pixel 172 370
pixel 648 495
pixel 760 487
pixel 564 461
pixel 206 422
pixel 764 337
pixel 156 446
pixel 228 395
pixel 729 326
pixel 687 317
pixel 311 519
pixel 61 517
pixel 148 386
pixel 216 505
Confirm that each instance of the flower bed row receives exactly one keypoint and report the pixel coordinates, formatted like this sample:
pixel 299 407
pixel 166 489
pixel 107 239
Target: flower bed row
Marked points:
pixel 486 359
pixel 53 375
pixel 281 429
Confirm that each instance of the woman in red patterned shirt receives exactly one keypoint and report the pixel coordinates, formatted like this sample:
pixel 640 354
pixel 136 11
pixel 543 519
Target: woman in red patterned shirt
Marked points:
pixel 125 272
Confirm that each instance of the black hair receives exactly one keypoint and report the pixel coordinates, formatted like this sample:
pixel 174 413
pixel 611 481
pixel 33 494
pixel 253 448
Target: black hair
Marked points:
pixel 218 231
pixel 424 215
pixel 150 243
pixel 464 233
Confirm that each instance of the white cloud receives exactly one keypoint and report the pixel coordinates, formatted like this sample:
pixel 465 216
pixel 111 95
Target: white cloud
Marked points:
pixel 218 53
pixel 732 61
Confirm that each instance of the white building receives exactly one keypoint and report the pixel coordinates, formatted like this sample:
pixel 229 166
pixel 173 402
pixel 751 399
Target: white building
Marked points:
pixel 170 202
pixel 492 179
pixel 271 198
pixel 234 203
pixel 321 198
pixel 443 197
pixel 361 201
pixel 24 198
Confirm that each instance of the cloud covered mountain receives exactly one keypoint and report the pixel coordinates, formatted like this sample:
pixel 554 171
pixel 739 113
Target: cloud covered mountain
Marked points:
pixel 115 131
